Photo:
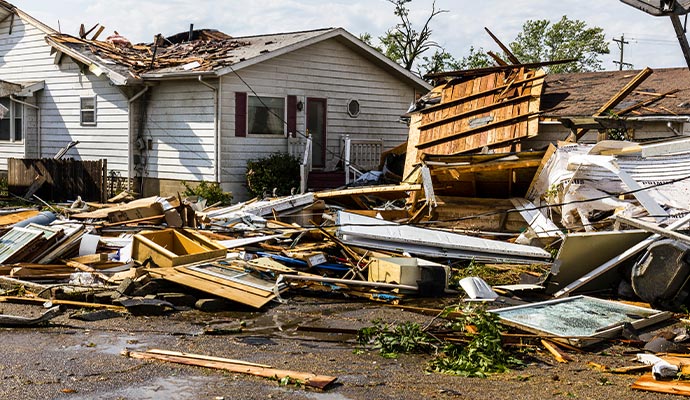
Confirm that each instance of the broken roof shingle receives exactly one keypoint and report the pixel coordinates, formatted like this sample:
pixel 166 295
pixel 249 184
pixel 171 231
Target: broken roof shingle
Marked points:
pixel 211 51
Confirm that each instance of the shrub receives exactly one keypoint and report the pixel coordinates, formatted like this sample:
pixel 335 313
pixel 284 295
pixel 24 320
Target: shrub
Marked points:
pixel 211 191
pixel 279 171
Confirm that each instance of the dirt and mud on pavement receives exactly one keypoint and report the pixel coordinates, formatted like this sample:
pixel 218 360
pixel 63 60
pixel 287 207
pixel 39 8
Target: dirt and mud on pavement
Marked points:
pixel 73 359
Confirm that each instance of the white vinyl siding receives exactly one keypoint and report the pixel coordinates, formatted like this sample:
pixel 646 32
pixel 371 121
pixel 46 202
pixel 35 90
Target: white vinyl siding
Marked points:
pixel 26 57
pixel 328 70
pixel 180 124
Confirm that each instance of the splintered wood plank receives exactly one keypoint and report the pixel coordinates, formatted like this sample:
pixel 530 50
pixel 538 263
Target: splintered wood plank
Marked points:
pixel 204 357
pixel 66 303
pixel 647 383
pixel 558 354
pixel 10 219
pixel 404 187
pixel 623 93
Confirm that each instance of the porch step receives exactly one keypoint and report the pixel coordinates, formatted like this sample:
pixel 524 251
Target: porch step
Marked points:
pixel 325 180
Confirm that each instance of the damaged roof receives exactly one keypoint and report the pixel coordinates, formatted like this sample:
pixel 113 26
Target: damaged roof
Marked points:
pixel 581 94
pixel 210 52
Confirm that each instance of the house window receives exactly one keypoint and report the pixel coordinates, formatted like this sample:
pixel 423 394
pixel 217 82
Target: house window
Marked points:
pixel 87 115
pixel 353 108
pixel 266 115
pixel 11 122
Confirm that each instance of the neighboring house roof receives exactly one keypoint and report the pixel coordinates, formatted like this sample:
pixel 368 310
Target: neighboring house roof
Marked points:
pixel 582 94
pixel 214 53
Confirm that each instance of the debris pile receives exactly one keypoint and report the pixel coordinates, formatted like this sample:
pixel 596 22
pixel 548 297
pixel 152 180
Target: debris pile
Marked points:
pixel 601 220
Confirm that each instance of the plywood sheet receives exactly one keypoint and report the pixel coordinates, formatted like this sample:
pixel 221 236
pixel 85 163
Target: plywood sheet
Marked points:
pixel 571 263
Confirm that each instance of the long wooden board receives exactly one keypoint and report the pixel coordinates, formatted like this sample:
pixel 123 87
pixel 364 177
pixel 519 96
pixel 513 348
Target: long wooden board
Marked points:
pixel 308 379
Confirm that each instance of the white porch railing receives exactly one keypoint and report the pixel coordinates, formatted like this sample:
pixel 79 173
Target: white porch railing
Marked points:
pixel 360 155
pixel 301 149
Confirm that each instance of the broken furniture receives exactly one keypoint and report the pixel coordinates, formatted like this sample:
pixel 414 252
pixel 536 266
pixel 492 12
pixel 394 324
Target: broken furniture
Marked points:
pixel 431 278
pixel 173 247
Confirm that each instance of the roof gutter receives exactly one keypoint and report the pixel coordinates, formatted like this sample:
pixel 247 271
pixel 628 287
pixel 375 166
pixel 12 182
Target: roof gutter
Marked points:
pixel 177 75
pixel 659 118
pixel 216 130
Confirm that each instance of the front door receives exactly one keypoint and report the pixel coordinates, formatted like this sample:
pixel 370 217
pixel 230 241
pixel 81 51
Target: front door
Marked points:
pixel 316 126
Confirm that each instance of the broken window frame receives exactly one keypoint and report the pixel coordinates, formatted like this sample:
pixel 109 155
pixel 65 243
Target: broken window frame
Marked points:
pixel 275 115
pixel 14 131
pixel 85 110
pixel 638 317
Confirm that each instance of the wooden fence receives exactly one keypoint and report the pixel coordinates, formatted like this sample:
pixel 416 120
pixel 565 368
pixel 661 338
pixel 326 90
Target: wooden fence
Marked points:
pixel 57 180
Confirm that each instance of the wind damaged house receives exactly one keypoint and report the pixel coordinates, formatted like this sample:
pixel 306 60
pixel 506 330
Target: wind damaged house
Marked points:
pixel 517 109
pixel 195 106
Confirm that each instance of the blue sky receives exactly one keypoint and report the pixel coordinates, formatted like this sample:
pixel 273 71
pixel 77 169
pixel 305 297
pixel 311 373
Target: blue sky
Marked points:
pixel 652 40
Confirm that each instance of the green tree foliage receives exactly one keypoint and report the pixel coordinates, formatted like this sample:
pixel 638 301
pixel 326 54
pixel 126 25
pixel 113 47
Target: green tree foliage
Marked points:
pixel 476 59
pixel 211 191
pixel 542 40
pixel 440 61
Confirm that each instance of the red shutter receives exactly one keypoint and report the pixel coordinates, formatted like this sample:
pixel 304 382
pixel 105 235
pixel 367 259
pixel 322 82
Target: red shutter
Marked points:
pixel 292 115
pixel 240 114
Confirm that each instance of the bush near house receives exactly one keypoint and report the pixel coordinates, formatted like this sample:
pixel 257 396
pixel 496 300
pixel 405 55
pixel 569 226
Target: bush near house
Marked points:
pixel 278 171
pixel 211 191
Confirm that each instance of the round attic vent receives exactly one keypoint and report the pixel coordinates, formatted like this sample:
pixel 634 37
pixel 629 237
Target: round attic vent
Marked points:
pixel 353 108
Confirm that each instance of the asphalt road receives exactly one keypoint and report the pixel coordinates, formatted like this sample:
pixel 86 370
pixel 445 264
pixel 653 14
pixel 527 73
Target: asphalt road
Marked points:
pixel 73 359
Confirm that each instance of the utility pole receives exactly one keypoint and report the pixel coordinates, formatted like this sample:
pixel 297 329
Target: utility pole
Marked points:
pixel 621 44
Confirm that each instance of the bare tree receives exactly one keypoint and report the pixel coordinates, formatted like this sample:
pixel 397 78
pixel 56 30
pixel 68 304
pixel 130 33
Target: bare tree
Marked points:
pixel 403 43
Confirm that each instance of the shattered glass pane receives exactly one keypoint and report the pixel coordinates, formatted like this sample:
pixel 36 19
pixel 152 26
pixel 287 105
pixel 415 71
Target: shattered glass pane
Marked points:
pixel 574 317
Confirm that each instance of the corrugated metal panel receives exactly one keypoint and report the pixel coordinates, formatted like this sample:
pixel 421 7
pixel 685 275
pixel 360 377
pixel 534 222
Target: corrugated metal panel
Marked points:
pixel 388 235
